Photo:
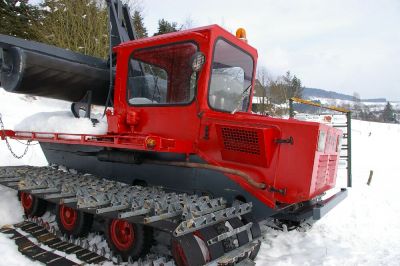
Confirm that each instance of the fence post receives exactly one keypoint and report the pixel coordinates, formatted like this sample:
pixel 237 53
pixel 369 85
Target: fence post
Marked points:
pixel 349 174
pixel 370 177
pixel 291 111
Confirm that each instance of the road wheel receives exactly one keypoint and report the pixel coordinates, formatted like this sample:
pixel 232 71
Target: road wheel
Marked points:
pixel 73 222
pixel 32 205
pixel 128 239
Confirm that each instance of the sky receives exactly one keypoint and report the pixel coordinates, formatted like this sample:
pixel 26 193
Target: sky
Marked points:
pixel 346 46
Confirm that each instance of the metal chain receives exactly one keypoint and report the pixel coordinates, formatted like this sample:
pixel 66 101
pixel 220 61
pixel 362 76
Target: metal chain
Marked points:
pixel 3 132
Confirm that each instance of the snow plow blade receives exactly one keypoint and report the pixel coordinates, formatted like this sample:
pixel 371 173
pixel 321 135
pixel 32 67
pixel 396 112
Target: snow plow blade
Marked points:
pixel 325 206
pixel 315 211
pixel 39 69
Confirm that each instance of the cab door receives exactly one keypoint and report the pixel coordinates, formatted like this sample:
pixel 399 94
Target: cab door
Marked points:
pixel 161 89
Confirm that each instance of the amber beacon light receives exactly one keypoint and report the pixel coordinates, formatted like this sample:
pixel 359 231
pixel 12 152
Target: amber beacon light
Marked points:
pixel 241 34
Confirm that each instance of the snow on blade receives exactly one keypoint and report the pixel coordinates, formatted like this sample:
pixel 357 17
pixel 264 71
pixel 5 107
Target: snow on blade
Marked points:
pixel 62 122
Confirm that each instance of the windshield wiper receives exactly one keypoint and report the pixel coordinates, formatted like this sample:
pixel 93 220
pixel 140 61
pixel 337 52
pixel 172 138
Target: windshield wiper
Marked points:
pixel 156 89
pixel 240 101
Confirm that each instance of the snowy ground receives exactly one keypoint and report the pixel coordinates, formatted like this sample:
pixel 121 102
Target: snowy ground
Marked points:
pixel 362 230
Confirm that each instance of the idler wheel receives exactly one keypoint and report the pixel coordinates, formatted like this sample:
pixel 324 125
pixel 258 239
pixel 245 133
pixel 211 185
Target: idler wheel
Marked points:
pixel 128 239
pixel 215 250
pixel 32 205
pixel 187 250
pixel 73 222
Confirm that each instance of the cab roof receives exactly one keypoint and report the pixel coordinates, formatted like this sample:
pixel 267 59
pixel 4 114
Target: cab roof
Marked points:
pixel 210 32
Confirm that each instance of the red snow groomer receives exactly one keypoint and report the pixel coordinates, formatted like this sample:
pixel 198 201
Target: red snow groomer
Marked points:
pixel 183 153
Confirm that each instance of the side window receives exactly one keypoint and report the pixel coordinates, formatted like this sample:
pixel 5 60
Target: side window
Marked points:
pixel 149 86
pixel 231 77
pixel 162 75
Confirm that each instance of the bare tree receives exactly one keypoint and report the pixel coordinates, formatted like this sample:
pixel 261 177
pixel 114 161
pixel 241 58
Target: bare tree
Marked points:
pixel 78 25
pixel 188 23
pixel 261 90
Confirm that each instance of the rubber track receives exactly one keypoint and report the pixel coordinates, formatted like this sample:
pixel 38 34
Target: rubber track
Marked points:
pixel 47 238
pixel 33 251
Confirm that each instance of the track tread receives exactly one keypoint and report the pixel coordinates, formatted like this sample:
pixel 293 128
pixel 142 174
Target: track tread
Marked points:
pixel 47 238
pixel 33 251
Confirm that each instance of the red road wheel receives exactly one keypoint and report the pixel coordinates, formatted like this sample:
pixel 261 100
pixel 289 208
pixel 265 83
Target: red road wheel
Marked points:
pixel 68 217
pixel 26 201
pixel 73 222
pixel 32 205
pixel 122 234
pixel 128 239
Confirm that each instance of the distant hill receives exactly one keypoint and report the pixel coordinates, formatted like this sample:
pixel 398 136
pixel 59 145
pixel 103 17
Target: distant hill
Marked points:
pixel 377 100
pixel 310 93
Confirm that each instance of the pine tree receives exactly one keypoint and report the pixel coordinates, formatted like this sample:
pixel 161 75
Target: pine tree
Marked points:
pixel 388 114
pixel 285 87
pixel 292 86
pixel 165 27
pixel 18 19
pixel 138 23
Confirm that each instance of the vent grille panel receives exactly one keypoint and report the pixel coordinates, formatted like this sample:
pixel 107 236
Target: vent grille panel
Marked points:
pixel 241 140
pixel 247 145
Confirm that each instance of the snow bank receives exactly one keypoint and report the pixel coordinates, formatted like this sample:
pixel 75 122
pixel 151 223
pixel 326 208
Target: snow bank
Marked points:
pixel 62 122
pixel 10 208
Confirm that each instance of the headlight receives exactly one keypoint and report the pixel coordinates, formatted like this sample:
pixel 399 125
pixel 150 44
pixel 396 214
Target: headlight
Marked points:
pixel 321 141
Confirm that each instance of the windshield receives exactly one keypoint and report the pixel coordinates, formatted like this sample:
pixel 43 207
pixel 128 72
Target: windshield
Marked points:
pixel 162 75
pixel 231 77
